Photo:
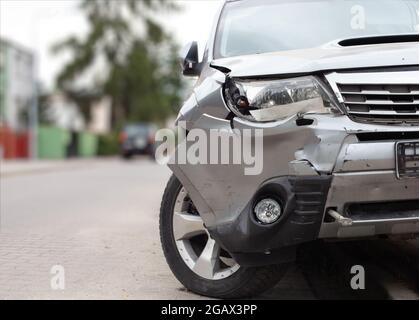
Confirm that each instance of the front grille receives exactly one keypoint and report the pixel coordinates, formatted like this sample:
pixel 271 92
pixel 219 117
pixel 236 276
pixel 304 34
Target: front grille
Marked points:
pixel 373 97
pixel 381 99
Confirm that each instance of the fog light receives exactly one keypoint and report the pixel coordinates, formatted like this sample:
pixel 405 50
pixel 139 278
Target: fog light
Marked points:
pixel 268 211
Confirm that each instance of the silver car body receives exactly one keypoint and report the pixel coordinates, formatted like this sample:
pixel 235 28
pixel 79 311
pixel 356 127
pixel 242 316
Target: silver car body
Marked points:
pixel 358 156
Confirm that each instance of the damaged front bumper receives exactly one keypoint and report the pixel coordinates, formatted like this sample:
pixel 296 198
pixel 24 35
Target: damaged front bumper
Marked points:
pixel 326 163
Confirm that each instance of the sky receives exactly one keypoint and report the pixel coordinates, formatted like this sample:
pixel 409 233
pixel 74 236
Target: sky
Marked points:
pixel 38 24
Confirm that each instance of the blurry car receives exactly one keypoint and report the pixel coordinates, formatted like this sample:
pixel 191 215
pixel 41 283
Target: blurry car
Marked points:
pixel 137 139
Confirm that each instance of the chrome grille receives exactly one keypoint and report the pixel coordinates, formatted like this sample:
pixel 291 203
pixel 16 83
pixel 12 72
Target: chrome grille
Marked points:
pixel 380 97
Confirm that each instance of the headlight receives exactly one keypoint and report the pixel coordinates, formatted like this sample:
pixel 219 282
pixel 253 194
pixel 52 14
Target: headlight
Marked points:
pixel 271 100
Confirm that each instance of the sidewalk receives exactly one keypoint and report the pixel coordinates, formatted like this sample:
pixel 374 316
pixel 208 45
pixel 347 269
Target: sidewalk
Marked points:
pixel 22 167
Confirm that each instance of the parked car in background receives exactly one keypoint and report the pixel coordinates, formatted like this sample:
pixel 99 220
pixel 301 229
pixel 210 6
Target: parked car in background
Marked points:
pixel 137 139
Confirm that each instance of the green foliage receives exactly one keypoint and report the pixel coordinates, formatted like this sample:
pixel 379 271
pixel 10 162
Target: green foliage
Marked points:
pixel 108 145
pixel 142 75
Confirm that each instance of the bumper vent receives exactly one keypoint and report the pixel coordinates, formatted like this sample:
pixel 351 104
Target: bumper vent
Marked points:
pixel 310 198
pixel 384 210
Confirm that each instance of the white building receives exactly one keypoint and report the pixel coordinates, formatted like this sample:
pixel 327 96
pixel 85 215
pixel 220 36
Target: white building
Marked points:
pixel 17 85
pixel 100 112
pixel 65 114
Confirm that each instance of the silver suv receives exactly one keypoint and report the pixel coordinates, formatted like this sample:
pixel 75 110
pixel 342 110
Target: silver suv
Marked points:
pixel 334 88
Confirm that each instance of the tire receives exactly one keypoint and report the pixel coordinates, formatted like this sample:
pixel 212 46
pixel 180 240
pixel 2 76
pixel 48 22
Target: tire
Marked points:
pixel 245 282
pixel 127 155
pixel 152 153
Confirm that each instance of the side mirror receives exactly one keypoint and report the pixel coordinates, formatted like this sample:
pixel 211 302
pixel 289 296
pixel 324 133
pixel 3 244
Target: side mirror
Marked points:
pixel 190 60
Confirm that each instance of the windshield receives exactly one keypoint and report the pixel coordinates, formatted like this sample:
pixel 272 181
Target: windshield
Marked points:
pixel 136 130
pixel 261 26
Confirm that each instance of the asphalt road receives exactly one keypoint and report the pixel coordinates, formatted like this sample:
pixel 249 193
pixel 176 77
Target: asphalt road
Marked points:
pixel 98 221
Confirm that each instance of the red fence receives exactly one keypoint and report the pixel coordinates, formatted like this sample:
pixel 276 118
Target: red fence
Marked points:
pixel 13 144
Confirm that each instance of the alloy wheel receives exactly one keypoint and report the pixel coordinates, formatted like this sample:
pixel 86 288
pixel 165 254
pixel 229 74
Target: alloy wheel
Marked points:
pixel 198 250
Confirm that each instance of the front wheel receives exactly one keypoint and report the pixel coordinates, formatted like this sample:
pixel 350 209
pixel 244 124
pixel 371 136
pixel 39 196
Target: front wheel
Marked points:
pixel 197 261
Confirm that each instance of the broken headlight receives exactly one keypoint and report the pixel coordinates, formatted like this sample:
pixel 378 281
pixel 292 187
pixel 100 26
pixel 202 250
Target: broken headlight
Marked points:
pixel 271 100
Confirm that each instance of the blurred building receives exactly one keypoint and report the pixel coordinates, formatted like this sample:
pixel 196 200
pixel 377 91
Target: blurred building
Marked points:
pixel 100 116
pixel 64 113
pixel 16 98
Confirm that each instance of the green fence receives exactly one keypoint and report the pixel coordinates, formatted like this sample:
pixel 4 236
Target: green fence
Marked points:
pixel 87 144
pixel 53 143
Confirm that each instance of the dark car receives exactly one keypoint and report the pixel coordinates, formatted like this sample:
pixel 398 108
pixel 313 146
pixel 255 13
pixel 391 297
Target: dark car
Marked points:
pixel 137 139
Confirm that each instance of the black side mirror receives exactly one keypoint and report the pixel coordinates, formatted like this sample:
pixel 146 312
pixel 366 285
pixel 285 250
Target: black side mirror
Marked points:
pixel 190 60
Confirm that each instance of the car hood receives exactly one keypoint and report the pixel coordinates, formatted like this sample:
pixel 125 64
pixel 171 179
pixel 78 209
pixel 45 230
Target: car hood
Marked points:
pixel 328 57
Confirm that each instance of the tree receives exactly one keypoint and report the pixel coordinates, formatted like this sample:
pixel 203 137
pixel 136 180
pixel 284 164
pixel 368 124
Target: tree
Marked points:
pixel 142 76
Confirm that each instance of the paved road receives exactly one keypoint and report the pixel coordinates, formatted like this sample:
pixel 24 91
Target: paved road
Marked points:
pixel 99 220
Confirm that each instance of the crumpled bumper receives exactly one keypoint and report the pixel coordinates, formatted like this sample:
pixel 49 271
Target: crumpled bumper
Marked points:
pixel 328 158
pixel 365 174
